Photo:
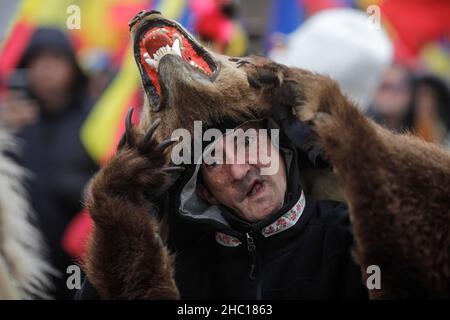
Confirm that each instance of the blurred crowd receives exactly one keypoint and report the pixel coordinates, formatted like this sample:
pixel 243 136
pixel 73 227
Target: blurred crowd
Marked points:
pixel 54 86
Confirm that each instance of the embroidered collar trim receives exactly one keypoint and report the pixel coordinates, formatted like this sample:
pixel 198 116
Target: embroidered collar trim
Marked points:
pixel 283 223
pixel 287 220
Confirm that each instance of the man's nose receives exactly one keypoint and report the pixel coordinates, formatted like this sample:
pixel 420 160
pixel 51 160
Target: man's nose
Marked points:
pixel 239 171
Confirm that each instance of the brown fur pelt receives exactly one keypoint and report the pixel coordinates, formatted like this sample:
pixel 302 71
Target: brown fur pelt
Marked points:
pixel 397 186
pixel 398 190
pixel 127 257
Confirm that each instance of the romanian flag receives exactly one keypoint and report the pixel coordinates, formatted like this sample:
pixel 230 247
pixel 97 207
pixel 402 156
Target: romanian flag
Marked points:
pixel 102 25
pixel 286 16
pixel 30 15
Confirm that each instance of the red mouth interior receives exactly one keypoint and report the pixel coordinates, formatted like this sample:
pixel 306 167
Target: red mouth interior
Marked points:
pixel 153 40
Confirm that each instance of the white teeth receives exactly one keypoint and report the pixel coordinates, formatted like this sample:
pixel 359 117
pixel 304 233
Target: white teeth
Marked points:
pixel 151 62
pixel 176 47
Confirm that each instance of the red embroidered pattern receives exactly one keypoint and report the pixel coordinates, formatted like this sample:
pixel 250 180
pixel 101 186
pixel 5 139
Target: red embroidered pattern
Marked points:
pixel 287 220
pixel 227 240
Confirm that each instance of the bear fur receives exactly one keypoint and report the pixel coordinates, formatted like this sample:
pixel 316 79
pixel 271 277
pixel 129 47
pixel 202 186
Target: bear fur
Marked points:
pixel 396 185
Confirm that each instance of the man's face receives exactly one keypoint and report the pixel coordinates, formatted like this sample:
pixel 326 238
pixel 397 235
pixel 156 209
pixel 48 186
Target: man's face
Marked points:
pixel 239 185
pixel 50 73
pixel 394 94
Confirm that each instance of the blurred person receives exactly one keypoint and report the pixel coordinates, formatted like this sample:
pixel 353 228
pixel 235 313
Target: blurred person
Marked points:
pixel 52 149
pixel 432 108
pixel 393 103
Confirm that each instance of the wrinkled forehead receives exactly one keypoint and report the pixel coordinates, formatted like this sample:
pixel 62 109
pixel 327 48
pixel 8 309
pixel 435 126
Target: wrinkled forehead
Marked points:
pixel 232 135
pixel 254 143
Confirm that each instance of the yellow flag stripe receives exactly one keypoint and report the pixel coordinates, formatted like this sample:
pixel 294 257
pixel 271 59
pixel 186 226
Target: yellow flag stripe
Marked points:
pixel 99 131
pixel 172 9
pixel 47 12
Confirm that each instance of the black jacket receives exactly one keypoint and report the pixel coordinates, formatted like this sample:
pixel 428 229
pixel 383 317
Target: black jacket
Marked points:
pixel 60 169
pixel 311 260
pixel 53 153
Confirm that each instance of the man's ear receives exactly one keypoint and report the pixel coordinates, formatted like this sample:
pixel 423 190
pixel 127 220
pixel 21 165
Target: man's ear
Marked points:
pixel 205 194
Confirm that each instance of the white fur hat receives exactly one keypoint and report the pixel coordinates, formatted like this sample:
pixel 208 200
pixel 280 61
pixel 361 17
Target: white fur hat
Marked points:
pixel 344 44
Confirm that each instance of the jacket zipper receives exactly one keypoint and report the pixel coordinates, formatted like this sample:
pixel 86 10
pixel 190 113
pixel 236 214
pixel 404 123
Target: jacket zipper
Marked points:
pixel 252 248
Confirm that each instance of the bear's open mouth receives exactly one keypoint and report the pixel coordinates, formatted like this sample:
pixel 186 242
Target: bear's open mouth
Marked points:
pixel 160 37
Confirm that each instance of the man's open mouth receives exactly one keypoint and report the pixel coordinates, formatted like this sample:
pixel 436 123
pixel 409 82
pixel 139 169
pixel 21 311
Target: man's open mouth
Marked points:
pixel 159 37
pixel 255 188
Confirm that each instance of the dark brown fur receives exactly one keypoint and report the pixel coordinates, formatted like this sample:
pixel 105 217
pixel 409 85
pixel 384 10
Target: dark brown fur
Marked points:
pixel 396 185
pixel 398 190
pixel 127 258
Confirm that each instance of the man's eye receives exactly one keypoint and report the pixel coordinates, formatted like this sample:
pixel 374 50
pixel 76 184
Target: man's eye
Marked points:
pixel 211 164
pixel 248 140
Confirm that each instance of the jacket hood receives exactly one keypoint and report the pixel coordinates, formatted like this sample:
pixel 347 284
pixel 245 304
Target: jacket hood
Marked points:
pixel 50 39
pixel 219 218
pixel 47 39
